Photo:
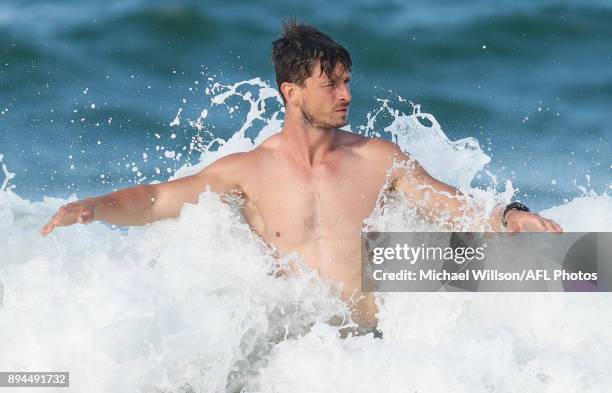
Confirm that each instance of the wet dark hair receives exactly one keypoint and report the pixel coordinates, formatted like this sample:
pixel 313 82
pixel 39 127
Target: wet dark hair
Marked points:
pixel 295 54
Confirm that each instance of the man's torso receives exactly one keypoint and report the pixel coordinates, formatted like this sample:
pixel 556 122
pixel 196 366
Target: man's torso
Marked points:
pixel 318 211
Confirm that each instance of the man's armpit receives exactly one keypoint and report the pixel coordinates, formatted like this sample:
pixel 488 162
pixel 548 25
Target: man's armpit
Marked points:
pixel 234 197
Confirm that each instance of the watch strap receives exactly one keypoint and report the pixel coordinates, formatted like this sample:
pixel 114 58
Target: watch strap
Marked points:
pixel 513 206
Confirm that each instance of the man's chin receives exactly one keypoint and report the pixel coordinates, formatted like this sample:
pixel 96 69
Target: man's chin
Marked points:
pixel 333 126
pixel 339 123
pixel 321 124
pixel 329 126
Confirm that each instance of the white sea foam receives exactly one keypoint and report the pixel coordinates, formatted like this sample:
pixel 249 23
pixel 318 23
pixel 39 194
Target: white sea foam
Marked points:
pixel 193 301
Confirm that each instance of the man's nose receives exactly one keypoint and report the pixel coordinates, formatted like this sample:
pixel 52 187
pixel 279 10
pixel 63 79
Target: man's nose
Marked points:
pixel 345 94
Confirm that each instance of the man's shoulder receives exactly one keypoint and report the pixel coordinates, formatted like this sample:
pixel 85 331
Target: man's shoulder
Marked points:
pixel 382 145
pixel 372 147
pixel 269 143
pixel 348 138
pixel 232 164
pixel 232 159
pixel 248 161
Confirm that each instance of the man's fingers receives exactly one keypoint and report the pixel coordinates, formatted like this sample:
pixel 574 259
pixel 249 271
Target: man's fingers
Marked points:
pixel 545 225
pixel 555 227
pixel 47 228
pixel 71 213
pixel 51 224
pixel 55 221
pixel 549 226
pixel 533 222
pixel 67 215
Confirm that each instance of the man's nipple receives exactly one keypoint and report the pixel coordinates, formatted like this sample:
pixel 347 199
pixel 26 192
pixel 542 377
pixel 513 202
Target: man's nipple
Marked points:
pixel 277 234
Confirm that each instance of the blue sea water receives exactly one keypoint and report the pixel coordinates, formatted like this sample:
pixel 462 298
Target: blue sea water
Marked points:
pixel 86 85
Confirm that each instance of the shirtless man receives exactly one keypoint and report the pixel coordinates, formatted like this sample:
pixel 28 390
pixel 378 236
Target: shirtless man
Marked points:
pixel 309 187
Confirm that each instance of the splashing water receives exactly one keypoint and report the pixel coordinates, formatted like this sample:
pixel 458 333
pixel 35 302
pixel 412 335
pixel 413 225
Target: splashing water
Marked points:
pixel 8 176
pixel 192 304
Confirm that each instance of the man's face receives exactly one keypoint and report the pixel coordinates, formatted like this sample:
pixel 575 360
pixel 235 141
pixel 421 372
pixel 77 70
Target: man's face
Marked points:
pixel 325 101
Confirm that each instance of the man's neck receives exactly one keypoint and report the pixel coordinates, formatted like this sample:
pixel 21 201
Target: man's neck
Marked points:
pixel 306 143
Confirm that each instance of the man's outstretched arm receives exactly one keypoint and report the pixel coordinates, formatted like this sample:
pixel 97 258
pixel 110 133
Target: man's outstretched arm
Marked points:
pixel 143 204
pixel 444 204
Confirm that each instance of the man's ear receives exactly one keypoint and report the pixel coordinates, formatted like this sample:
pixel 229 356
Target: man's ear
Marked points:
pixel 291 92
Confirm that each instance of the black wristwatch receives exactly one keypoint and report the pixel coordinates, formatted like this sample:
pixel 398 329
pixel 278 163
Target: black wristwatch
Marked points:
pixel 513 206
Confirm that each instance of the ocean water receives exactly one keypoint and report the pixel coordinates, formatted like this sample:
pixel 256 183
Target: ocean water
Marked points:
pixel 504 99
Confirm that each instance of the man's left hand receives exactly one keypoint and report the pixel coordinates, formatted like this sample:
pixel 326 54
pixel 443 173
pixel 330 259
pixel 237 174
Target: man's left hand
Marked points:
pixel 520 221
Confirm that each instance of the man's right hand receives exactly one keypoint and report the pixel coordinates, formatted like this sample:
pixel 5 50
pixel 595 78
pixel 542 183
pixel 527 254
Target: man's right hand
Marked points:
pixel 81 212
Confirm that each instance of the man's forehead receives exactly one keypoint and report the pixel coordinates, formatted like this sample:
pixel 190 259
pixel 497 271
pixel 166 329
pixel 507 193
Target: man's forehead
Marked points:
pixel 339 71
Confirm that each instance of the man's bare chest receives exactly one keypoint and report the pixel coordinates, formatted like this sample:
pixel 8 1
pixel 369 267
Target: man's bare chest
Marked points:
pixel 295 207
